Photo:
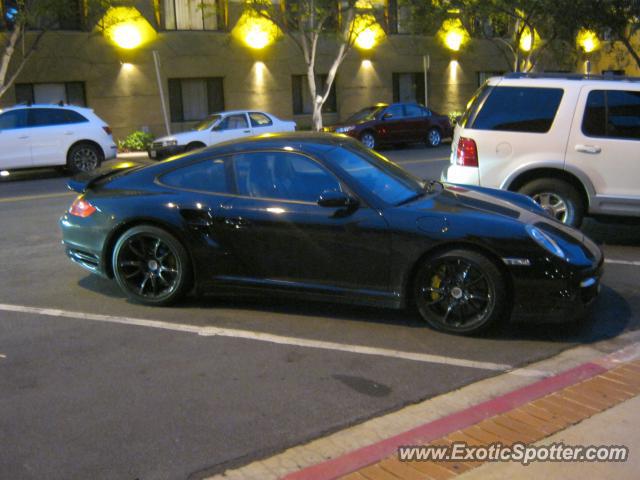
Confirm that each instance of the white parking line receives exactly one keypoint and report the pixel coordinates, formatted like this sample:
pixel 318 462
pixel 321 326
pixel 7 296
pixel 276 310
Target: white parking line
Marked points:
pixel 622 262
pixel 269 338
pixel 35 197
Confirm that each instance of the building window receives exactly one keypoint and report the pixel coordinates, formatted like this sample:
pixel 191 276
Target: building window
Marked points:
pixel 69 92
pixel 302 103
pixel 57 16
pixel 408 87
pixel 398 16
pixel 484 76
pixel 194 14
pixel 192 99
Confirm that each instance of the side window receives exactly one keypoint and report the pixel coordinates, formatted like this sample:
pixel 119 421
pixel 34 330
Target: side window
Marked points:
pixel 259 119
pixel 396 111
pixel 233 122
pixel 412 110
pixel 519 109
pixel 283 176
pixel 207 176
pixel 426 112
pixel 42 117
pixel 13 119
pixel 612 114
pixel 73 117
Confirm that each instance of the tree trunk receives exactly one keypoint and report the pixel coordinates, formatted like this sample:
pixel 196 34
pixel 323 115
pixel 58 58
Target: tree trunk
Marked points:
pixel 630 49
pixel 7 55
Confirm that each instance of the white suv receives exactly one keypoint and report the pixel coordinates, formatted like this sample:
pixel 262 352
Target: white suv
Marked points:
pixel 570 142
pixel 48 135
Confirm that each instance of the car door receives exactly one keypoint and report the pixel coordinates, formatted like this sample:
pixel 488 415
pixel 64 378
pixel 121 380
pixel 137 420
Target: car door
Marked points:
pixel 49 133
pixel 282 235
pixel 416 123
pixel 604 144
pixel 262 123
pixel 15 140
pixel 231 127
pixel 391 127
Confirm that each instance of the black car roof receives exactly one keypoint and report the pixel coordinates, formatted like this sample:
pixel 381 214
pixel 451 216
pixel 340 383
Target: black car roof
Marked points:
pixel 296 140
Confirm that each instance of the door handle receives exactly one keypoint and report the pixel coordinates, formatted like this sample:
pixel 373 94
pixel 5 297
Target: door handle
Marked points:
pixel 247 131
pixel 197 218
pixel 68 133
pixel 588 148
pixel 24 137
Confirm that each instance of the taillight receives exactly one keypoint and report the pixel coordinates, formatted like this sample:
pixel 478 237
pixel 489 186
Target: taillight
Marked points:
pixel 81 208
pixel 467 152
pixel 107 129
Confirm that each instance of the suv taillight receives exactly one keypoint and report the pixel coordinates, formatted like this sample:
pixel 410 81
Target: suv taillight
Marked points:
pixel 467 152
pixel 107 129
pixel 81 208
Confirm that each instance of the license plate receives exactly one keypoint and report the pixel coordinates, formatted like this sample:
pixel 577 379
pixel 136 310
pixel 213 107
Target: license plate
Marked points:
pixel 152 153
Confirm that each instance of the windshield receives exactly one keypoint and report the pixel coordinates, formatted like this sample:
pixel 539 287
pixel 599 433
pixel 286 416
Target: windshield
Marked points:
pixel 386 180
pixel 207 122
pixel 364 115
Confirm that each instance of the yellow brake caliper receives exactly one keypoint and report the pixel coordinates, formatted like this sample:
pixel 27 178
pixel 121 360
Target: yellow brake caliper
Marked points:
pixel 436 281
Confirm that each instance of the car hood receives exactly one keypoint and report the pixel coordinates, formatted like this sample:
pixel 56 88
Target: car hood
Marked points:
pixel 459 199
pixel 184 138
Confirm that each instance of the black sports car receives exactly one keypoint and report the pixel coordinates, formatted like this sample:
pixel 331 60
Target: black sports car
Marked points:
pixel 321 216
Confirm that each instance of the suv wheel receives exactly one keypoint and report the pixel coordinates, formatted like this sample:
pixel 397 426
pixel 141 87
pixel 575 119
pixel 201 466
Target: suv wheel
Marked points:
pixel 83 157
pixel 368 139
pixel 433 137
pixel 559 198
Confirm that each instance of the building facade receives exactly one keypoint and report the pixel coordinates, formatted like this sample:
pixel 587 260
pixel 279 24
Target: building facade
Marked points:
pixel 204 68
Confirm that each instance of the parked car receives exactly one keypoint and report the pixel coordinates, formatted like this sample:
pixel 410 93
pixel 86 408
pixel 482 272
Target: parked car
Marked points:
pixel 396 124
pixel 49 135
pixel 570 142
pixel 320 216
pixel 219 127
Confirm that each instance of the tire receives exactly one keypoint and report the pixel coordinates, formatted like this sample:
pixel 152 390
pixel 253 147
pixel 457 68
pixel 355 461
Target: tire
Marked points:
pixel 434 138
pixel 368 139
pixel 84 157
pixel 151 266
pixel 194 146
pixel 559 198
pixel 453 301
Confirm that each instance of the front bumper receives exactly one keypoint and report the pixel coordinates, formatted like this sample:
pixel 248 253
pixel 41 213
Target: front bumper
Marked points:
pixel 159 153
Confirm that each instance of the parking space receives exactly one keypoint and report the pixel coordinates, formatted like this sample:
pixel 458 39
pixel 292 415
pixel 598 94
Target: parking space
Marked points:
pixel 92 385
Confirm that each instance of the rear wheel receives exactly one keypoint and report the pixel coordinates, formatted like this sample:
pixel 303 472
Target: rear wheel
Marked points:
pixel 434 138
pixel 83 157
pixel 559 198
pixel 151 266
pixel 368 139
pixel 460 291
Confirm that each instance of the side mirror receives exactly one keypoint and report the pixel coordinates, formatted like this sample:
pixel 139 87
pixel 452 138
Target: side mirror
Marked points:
pixel 336 199
pixel 387 116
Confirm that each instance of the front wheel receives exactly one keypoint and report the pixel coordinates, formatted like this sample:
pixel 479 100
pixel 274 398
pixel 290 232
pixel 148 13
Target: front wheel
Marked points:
pixel 368 139
pixel 558 198
pixel 151 266
pixel 434 138
pixel 460 291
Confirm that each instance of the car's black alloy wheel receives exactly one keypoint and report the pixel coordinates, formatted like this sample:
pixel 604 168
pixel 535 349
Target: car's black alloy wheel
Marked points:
pixel 83 157
pixel 460 291
pixel 150 265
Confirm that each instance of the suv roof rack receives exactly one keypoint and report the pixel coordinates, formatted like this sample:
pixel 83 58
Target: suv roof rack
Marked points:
pixel 572 76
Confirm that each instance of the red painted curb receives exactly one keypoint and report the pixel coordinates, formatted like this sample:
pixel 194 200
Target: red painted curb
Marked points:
pixel 352 461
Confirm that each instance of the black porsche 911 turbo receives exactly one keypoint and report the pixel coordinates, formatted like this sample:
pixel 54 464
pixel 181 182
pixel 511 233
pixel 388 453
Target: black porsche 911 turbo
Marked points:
pixel 322 217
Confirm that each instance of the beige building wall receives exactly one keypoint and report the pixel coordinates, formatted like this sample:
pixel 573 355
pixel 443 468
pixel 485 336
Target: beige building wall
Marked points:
pixel 121 85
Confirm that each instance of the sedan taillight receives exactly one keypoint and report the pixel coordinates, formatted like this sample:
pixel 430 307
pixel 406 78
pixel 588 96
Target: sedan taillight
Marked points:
pixel 81 208
pixel 467 152
pixel 107 129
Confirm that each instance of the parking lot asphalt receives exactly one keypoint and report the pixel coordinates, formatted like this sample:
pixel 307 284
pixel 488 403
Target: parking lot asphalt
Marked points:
pixel 93 386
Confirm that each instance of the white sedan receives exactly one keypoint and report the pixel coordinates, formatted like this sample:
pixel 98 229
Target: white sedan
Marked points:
pixel 219 127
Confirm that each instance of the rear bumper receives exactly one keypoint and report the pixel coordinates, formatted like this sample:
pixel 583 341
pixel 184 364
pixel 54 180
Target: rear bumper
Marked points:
pixel 159 153
pixel 461 175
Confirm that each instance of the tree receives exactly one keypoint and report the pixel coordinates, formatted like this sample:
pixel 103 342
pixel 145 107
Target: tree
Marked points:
pixel 25 23
pixel 619 18
pixel 336 24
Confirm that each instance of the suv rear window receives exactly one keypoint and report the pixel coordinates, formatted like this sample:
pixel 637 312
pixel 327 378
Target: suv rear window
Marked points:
pixel 519 109
pixel 612 114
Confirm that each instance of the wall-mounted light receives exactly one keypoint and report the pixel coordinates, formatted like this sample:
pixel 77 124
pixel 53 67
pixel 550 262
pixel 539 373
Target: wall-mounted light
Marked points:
pixel 367 31
pixel 126 28
pixel 255 32
pixel 453 34
pixel 588 40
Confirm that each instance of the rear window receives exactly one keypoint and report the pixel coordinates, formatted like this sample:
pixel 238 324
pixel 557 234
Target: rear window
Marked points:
pixel 519 109
pixel 612 114
pixel 208 176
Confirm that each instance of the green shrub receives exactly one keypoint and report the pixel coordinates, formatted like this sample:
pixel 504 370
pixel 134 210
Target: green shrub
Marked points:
pixel 453 116
pixel 135 142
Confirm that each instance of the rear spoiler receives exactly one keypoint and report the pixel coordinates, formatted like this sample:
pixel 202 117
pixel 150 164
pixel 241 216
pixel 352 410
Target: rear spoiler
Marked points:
pixel 83 181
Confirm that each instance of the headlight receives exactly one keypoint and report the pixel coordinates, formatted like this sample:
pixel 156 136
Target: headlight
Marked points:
pixel 170 143
pixel 344 129
pixel 545 241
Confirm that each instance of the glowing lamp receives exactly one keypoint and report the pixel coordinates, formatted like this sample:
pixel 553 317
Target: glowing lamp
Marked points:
pixel 453 40
pixel 588 40
pixel 453 34
pixel 255 32
pixel 126 36
pixel 126 28
pixel 256 38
